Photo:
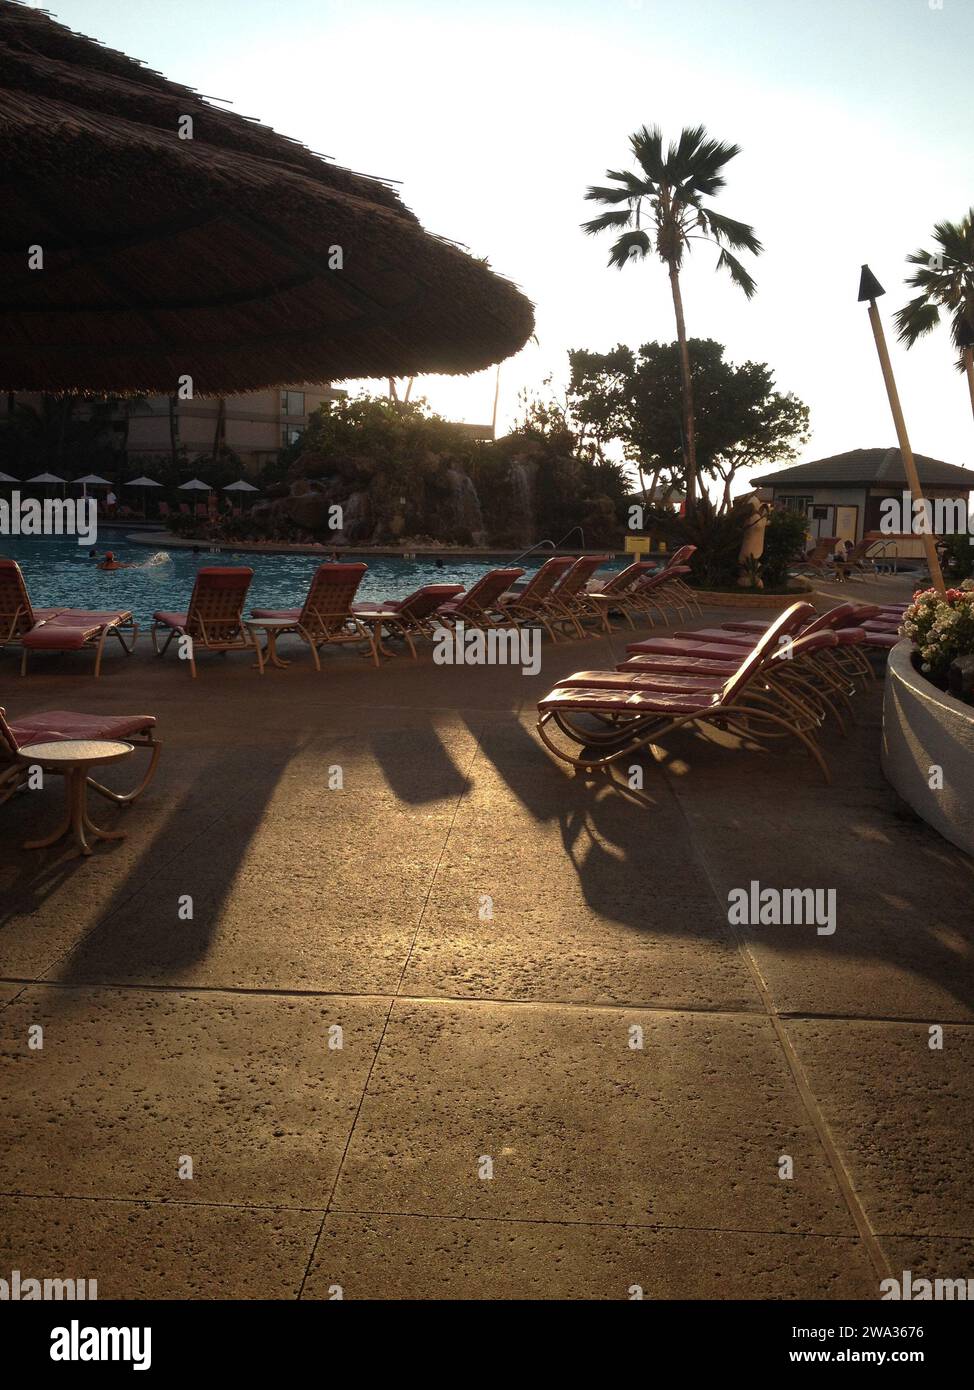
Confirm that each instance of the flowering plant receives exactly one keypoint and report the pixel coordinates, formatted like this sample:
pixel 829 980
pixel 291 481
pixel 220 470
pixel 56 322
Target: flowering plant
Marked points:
pixel 941 628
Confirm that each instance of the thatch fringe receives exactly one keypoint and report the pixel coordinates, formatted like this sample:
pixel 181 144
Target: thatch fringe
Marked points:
pixel 207 257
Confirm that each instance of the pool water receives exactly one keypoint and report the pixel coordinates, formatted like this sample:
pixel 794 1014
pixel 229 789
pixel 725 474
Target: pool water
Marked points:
pixel 59 571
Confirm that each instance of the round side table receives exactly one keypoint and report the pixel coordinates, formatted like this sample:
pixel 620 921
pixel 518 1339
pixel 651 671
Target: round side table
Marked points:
pixel 271 627
pixel 71 760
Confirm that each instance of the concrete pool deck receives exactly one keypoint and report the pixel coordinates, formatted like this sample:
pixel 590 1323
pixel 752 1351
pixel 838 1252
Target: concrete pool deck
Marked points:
pixel 383 1088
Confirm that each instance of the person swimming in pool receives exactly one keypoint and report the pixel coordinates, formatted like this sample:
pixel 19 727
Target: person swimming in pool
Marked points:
pixel 110 563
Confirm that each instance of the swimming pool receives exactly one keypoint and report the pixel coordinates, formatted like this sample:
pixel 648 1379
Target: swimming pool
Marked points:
pixel 58 571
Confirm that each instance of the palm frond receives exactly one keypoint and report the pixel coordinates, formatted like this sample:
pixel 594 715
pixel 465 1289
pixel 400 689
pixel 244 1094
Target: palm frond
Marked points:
pixel 638 188
pixel 634 245
pixel 945 279
pixel 736 234
pixel 598 193
pixel 605 220
pixel 916 319
pixel 647 146
pixel 695 162
pixel 741 278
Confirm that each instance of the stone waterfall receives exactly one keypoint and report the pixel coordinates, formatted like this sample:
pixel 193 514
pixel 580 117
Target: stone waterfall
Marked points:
pixel 522 487
pixel 465 506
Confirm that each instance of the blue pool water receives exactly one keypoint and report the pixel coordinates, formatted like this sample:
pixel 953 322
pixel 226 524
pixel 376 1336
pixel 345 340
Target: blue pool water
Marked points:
pixel 58 571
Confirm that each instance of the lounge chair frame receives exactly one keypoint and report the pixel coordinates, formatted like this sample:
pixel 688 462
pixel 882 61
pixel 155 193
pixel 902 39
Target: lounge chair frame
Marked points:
pixel 14 773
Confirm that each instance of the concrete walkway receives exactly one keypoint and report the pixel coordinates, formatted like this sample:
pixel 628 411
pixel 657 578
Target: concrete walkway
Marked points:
pixel 471 1026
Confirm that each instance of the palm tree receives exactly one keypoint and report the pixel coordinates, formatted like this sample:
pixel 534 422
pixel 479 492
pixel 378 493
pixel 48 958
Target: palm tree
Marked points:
pixel 664 211
pixel 945 281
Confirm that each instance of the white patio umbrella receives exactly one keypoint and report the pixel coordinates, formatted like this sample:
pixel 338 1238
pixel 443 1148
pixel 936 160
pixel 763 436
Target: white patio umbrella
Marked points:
pixel 195 484
pixel 143 482
pixel 91 480
pixel 48 478
pixel 8 478
pixel 241 485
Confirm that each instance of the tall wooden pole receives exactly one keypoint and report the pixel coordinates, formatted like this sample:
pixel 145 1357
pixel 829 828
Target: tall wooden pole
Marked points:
pixel 870 288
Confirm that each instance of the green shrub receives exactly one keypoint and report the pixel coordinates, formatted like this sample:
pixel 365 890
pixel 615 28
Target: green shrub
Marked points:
pixel 958 560
pixel 784 542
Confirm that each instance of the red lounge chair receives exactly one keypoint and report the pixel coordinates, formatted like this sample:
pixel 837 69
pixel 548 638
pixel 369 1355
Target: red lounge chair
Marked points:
pixel 625 718
pixel 845 620
pixel 615 595
pixel 664 592
pixel 73 629
pixel 407 617
pixel 826 678
pixel 17 615
pixel 327 615
pixel 530 604
pixel 57 629
pixel 480 607
pixel 57 726
pixel 566 606
pixel 214 619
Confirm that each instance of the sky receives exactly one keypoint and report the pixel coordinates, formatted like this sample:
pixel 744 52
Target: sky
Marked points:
pixel 853 116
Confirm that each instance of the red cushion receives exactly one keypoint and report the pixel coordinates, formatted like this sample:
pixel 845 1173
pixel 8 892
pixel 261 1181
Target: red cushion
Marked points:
pixel 626 701
pixel 675 665
pixel 717 634
pixel 91 617
pixel 52 637
pixel 58 725
pixel 660 682
pixel 671 646
pixel 181 619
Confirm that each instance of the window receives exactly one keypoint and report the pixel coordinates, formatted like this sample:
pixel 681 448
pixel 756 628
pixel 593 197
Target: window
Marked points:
pixel 290 434
pixel 796 504
pixel 292 403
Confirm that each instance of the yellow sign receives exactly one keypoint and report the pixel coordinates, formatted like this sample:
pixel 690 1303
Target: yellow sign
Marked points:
pixel 637 545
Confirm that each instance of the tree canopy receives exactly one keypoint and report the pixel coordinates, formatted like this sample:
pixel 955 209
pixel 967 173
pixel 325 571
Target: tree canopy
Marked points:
pixel 634 398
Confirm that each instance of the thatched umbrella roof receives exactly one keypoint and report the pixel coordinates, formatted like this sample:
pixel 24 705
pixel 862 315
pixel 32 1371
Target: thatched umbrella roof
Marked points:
pixel 209 256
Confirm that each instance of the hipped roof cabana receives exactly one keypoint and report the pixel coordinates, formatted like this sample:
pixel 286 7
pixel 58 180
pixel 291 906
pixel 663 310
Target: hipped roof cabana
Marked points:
pixel 207 257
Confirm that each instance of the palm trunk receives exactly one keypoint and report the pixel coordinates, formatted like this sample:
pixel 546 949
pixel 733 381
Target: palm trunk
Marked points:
pixel 642 483
pixel 173 433
pixel 220 434
pixel 969 368
pixel 689 429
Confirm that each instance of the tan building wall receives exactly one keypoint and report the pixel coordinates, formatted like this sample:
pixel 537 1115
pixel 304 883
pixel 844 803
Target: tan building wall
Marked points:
pixel 257 424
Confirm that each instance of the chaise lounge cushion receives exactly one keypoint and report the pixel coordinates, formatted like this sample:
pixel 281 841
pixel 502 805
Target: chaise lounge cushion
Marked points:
pixel 55 726
pixel 659 682
pixel 627 701
pixel 291 614
pixel 71 629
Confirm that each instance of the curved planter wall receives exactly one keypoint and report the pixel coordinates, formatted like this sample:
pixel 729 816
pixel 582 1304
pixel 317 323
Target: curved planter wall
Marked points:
pixel 922 728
